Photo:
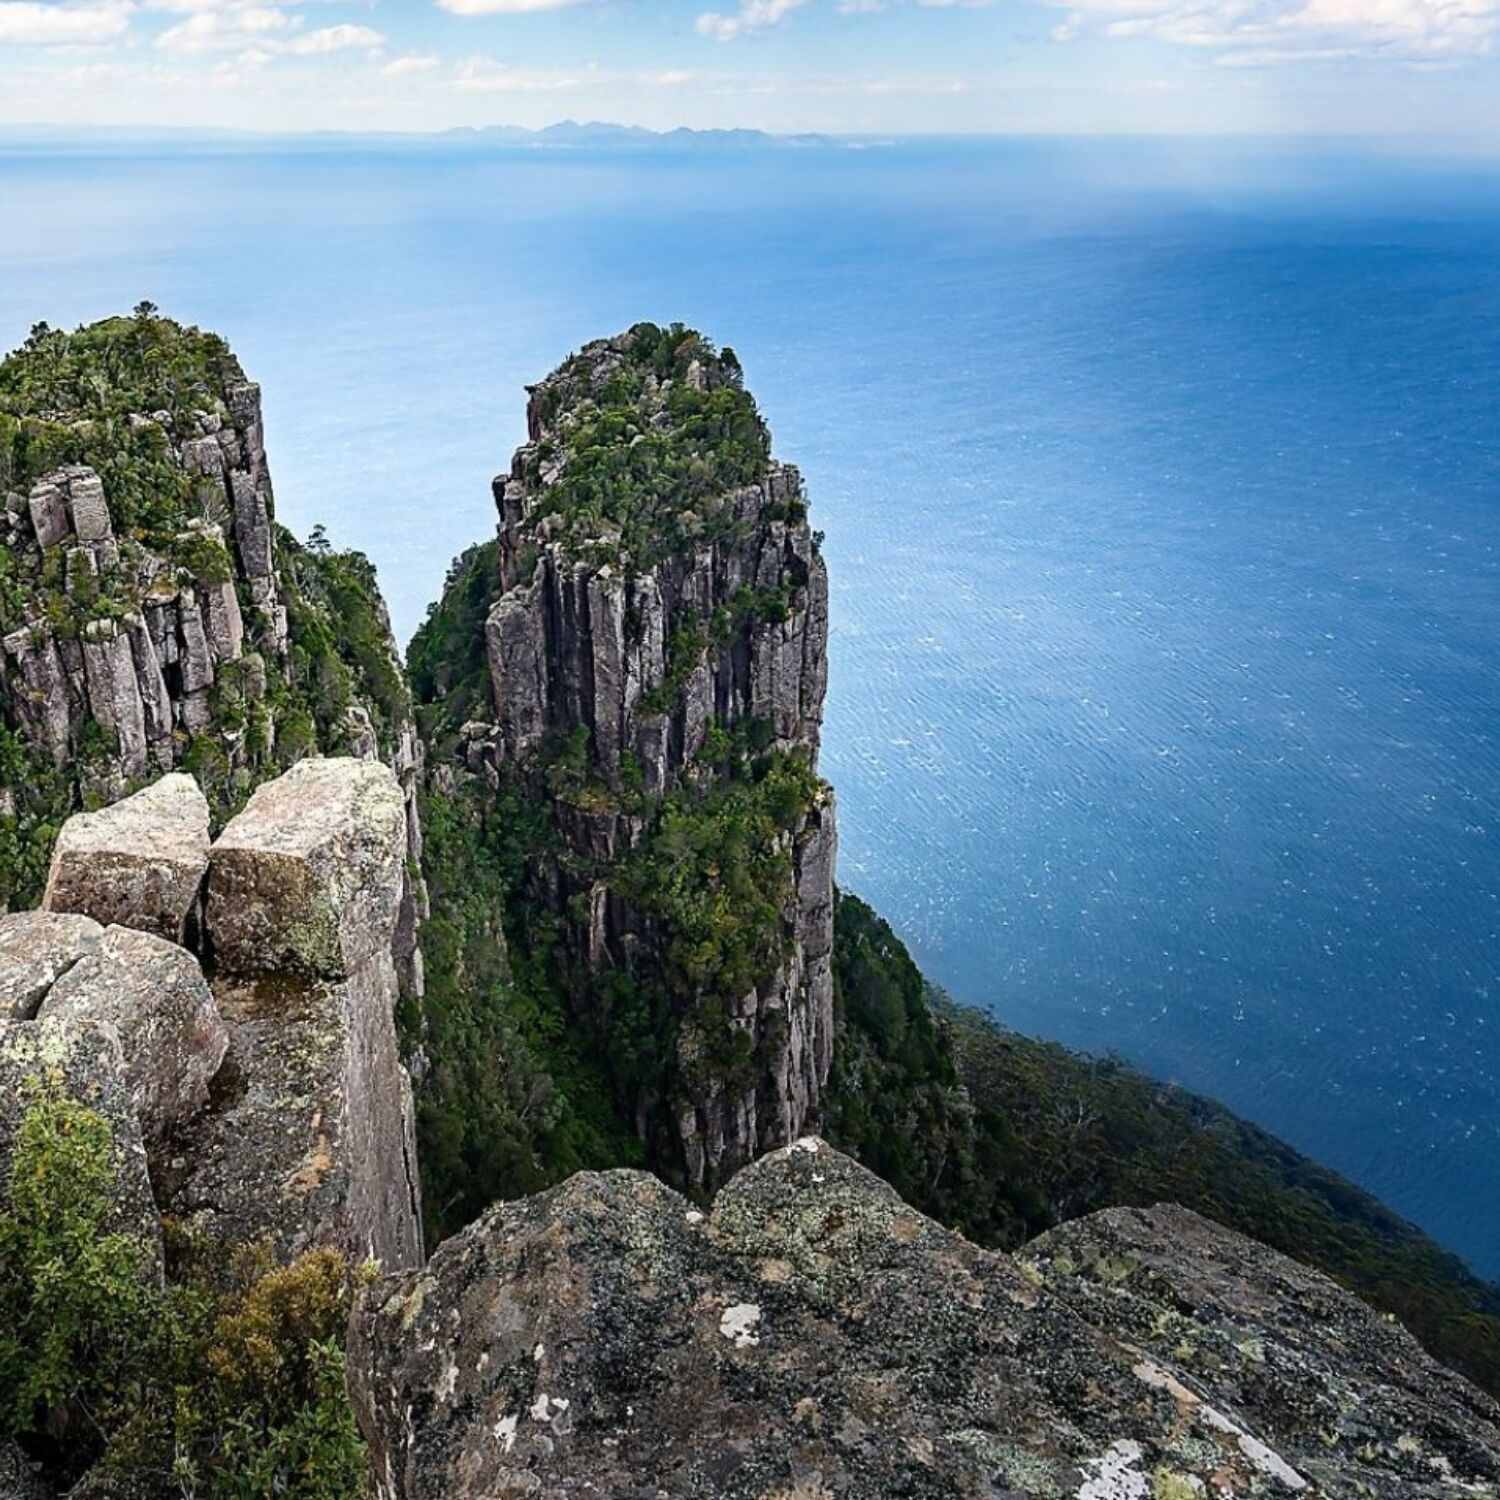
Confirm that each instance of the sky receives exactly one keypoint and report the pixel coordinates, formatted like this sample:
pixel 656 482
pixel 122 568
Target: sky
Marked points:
pixel 1420 68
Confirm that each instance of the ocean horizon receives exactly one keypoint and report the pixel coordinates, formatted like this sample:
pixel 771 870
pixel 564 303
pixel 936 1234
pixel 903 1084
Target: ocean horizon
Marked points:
pixel 1161 491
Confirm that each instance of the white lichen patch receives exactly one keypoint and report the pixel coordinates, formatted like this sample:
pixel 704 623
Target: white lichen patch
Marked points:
pixel 546 1407
pixel 447 1382
pixel 741 1324
pixel 1266 1459
pixel 1117 1474
pixel 505 1431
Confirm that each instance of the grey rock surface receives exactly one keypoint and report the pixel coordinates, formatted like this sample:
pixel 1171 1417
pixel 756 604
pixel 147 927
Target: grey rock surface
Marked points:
pixel 309 1139
pixel 153 995
pixel 1346 1396
pixel 36 947
pixel 309 877
pixel 811 1337
pixel 139 862
pixel 19 1479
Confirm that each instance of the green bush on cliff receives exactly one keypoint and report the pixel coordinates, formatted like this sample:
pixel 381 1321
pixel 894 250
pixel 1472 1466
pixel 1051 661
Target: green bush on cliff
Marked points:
pixel 77 398
pixel 225 1383
pixel 77 1311
pixel 646 457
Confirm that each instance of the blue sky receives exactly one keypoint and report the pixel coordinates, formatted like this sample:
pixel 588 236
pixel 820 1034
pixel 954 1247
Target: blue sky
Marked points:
pixel 1369 67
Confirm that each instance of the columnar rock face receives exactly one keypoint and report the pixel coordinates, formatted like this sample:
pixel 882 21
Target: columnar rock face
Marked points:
pixel 813 1336
pixel 144 670
pixel 139 862
pixel 656 617
pixel 152 601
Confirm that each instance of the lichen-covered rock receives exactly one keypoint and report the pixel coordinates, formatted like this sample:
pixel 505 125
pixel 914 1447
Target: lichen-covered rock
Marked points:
pixel 85 1061
pixel 139 862
pixel 309 876
pixel 153 994
pixel 309 1140
pixel 19 1479
pixel 36 948
pixel 812 1337
pixel 1346 1396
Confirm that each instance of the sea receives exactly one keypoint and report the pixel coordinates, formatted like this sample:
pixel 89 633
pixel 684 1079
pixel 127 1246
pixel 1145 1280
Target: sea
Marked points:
pixel 1161 490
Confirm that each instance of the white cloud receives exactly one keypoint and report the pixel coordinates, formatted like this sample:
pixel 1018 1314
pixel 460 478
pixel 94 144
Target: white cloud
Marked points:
pixel 29 23
pixel 412 63
pixel 753 15
pixel 484 74
pixel 219 31
pixel 503 7
pixel 333 39
pixel 1260 33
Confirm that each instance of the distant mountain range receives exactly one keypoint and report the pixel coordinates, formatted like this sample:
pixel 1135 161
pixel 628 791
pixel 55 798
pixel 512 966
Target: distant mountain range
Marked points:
pixel 596 133
pixel 565 135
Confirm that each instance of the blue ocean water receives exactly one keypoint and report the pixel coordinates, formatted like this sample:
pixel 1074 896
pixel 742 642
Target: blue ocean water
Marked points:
pixel 1161 486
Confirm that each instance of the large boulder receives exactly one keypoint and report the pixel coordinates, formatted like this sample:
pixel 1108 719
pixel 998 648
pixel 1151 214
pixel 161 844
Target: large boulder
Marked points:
pixel 154 996
pixel 139 863
pixel 36 948
pixel 812 1337
pixel 1348 1396
pixel 83 1060
pixel 308 878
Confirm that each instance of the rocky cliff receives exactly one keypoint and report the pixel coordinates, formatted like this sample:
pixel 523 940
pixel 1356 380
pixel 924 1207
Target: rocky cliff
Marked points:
pixel 249 1104
pixel 152 614
pixel 656 655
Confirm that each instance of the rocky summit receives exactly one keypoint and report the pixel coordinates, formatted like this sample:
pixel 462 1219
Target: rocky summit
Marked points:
pixel 813 1336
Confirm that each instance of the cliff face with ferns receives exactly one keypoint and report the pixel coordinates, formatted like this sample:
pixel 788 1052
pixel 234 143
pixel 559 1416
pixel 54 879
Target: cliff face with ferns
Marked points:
pixel 656 664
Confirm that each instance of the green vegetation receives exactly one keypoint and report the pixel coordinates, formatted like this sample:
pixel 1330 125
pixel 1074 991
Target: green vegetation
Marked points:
pixel 647 445
pixel 1002 1136
pixel 78 398
pixel 226 1386
pixel 513 1102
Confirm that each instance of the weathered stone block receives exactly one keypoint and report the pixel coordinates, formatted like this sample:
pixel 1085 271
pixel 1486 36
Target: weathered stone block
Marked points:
pixel 308 877
pixel 36 949
pixel 154 996
pixel 138 863
pixel 87 506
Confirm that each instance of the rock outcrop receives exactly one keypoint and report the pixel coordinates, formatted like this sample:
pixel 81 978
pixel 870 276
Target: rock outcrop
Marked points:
pixel 139 862
pixel 661 627
pixel 268 1094
pixel 36 949
pixel 813 1336
pixel 153 996
pixel 310 1139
